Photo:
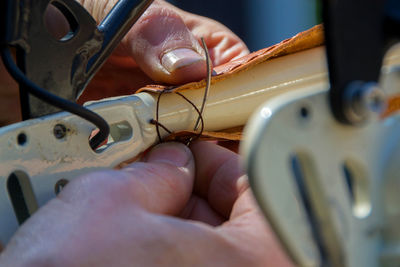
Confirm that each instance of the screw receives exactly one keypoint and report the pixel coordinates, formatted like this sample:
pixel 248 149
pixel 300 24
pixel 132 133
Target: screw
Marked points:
pixel 373 98
pixel 60 131
pixel 362 99
pixel 304 112
pixel 22 139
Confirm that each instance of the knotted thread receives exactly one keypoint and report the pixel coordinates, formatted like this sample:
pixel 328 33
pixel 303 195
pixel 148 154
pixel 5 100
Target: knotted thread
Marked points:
pixel 200 119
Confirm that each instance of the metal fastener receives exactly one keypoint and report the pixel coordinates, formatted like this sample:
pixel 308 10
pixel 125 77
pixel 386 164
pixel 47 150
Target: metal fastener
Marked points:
pixel 362 100
pixel 59 131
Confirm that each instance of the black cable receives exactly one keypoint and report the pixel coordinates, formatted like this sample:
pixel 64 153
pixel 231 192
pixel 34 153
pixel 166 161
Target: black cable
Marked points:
pixel 25 105
pixel 56 101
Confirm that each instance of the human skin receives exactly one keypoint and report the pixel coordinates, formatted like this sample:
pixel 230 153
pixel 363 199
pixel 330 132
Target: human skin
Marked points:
pixel 178 207
pixel 137 61
pixel 175 208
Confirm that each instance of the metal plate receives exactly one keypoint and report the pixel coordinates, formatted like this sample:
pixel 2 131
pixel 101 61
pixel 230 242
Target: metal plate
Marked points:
pixel 322 185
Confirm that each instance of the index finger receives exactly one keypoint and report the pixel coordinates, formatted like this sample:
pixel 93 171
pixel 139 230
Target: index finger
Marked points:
pixel 219 177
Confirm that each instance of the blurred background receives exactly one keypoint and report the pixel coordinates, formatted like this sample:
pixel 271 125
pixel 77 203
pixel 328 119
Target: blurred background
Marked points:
pixel 260 23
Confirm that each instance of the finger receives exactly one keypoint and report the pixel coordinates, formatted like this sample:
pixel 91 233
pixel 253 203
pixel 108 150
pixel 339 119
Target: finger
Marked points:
pixel 225 47
pixel 160 184
pixel 164 48
pixel 159 42
pixel 222 43
pixel 56 23
pixel 197 209
pixel 219 177
pixel 248 226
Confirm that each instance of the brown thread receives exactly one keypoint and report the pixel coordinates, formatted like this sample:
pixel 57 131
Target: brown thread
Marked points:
pixel 208 82
pixel 200 119
pixel 153 121
pixel 158 124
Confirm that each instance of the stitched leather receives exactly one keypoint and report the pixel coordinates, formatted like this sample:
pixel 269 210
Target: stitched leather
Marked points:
pixel 311 38
pixel 305 40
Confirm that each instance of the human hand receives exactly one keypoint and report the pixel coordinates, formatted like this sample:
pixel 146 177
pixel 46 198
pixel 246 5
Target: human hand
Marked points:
pixel 162 46
pixel 173 209
pixel 139 59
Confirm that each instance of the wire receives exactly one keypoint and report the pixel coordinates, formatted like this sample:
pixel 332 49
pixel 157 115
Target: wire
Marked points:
pixel 208 83
pixel 56 101
pixel 158 124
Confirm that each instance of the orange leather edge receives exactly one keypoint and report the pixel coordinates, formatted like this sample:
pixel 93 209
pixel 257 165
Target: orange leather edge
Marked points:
pixel 311 38
pixel 305 40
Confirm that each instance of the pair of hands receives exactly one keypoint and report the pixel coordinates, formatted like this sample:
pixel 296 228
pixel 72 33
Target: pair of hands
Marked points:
pixel 177 206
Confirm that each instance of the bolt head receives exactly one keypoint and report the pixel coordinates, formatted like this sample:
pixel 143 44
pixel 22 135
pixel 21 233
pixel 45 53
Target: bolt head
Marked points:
pixel 59 131
pixel 373 98
pixel 363 100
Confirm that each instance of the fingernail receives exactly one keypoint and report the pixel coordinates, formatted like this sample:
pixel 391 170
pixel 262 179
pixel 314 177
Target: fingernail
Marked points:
pixel 179 58
pixel 173 153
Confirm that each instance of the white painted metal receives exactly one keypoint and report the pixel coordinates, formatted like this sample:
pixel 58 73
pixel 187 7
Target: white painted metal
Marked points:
pixel 44 160
pixel 360 231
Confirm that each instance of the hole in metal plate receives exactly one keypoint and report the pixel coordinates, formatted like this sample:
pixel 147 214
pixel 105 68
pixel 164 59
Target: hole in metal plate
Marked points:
pixel 59 22
pixel 119 132
pixel 358 186
pixel 60 185
pixel 305 112
pixel 21 195
pixel 22 139
pixel 299 177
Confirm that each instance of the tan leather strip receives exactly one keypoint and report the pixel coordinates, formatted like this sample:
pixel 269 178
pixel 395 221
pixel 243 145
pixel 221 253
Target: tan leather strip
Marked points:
pixel 233 134
pixel 392 106
pixel 311 38
pixel 305 40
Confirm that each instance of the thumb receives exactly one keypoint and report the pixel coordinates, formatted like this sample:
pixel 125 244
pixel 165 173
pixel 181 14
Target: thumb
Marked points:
pixel 164 181
pixel 164 47
pixel 161 184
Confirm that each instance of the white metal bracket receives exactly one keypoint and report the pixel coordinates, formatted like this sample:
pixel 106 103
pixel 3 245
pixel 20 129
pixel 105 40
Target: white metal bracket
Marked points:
pixel 330 191
pixel 39 156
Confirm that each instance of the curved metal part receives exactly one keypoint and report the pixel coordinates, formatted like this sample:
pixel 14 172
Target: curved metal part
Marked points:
pixel 329 190
pixel 65 65
pixel 37 154
pixel 114 27
pixel 325 186
pixel 390 255
pixel 43 62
